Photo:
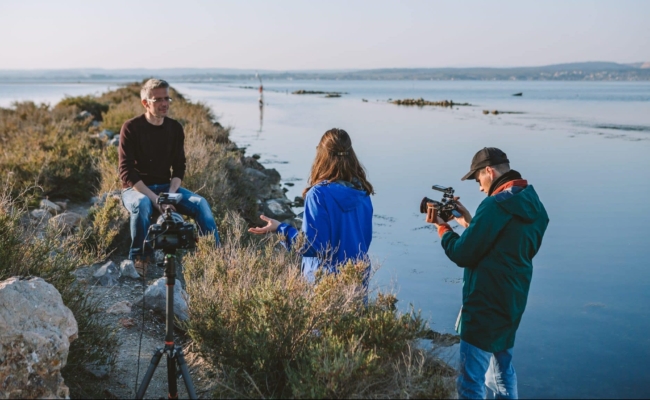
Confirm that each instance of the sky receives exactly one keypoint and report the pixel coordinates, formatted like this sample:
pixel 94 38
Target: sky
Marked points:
pixel 319 35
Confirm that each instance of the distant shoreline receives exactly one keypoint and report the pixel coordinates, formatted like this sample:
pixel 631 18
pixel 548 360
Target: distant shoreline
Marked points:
pixel 585 71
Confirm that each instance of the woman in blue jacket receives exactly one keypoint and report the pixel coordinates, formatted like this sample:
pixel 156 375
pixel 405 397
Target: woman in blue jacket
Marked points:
pixel 337 222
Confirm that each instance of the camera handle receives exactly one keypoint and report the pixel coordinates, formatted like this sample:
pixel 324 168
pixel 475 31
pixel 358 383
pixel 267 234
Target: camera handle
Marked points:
pixel 175 358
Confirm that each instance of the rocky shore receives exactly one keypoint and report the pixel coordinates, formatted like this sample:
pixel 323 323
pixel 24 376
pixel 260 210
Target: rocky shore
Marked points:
pixel 271 196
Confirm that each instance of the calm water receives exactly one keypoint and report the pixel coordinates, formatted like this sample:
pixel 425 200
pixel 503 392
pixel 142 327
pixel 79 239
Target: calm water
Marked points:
pixel 584 146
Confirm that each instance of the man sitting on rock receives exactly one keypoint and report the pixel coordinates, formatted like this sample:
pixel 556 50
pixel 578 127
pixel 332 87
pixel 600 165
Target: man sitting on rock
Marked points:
pixel 152 161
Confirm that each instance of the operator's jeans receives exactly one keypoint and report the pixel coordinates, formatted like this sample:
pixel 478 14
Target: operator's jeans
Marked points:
pixel 141 209
pixel 479 369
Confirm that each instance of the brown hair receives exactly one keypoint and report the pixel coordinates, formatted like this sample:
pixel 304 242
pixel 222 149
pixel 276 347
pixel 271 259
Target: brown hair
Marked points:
pixel 336 160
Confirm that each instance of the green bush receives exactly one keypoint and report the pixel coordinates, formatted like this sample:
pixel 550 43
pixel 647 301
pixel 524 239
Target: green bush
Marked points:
pixel 118 113
pixel 106 226
pixel 275 335
pixel 40 150
pixel 85 103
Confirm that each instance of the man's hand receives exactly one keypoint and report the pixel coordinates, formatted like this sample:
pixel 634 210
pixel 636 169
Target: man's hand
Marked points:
pixel 271 226
pixel 466 217
pixel 432 215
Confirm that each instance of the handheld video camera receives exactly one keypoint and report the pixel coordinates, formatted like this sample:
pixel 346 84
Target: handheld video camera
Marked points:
pixel 446 208
pixel 171 232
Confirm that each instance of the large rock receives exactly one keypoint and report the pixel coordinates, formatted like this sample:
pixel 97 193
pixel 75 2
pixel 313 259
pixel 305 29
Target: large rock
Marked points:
pixel 36 329
pixel 66 221
pixel 278 209
pixel 155 299
pixel 108 274
pixel 127 268
pixel 40 214
pixel 50 206
pixel 260 182
pixel 273 175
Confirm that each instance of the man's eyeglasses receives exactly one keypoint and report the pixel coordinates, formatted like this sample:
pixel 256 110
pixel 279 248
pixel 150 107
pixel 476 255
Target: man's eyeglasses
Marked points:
pixel 159 99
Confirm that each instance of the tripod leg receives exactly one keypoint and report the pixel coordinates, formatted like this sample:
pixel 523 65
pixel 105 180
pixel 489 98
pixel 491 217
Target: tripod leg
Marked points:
pixel 155 359
pixel 185 373
pixel 172 384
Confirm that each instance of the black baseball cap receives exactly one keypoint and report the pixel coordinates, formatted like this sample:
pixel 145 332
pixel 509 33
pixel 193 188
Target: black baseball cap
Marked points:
pixel 485 157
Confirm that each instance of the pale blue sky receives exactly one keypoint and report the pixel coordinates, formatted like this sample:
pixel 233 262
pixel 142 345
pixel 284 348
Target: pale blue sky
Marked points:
pixel 328 34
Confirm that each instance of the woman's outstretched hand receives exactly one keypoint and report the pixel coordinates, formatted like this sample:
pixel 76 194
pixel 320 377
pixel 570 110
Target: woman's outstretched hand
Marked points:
pixel 271 226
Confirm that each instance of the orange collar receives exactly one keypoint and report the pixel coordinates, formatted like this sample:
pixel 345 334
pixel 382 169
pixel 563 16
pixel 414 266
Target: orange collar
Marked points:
pixel 507 185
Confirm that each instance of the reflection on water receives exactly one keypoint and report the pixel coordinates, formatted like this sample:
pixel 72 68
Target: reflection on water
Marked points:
pixel 584 333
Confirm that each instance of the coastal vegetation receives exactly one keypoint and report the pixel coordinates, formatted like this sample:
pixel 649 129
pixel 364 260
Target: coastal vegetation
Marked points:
pixel 421 103
pixel 256 325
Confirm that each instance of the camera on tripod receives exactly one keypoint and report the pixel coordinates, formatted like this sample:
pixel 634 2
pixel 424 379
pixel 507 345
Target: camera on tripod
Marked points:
pixel 171 232
pixel 446 208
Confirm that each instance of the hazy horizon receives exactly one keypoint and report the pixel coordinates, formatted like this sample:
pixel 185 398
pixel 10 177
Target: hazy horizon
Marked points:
pixel 291 35
pixel 268 70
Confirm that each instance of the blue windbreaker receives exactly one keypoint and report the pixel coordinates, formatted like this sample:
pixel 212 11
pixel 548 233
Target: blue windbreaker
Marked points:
pixel 337 224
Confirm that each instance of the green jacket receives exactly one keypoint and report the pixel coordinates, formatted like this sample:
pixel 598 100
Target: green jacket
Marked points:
pixel 496 251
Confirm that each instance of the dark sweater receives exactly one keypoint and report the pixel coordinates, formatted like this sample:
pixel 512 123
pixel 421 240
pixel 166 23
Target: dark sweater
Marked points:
pixel 149 153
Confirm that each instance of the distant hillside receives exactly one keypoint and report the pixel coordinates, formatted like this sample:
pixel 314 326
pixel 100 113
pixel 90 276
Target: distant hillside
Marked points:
pixel 584 71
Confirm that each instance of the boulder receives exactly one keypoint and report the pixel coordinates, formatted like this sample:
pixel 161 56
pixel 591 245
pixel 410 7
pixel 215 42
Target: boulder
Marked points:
pixel 36 329
pixel 252 162
pixel 108 274
pixel 298 201
pixel 41 214
pixel 155 299
pixel 259 181
pixel 273 175
pixel 256 176
pixel 127 268
pixel 278 209
pixel 50 206
pixel 114 142
pixel 62 204
pixel 66 221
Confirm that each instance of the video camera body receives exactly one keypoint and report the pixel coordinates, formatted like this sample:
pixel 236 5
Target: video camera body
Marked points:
pixel 171 232
pixel 446 208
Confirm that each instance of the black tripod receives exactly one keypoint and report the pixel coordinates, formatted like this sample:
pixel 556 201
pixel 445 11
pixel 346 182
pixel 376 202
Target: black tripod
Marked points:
pixel 175 359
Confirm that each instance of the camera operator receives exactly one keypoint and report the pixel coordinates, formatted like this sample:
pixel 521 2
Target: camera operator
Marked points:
pixel 496 250
pixel 152 161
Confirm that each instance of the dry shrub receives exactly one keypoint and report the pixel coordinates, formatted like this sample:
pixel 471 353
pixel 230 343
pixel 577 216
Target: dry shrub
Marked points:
pixel 273 334
pixel 46 149
pixel 119 113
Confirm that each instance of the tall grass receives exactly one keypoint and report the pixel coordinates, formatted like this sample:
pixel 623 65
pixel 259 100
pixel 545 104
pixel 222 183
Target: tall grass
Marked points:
pixel 273 334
